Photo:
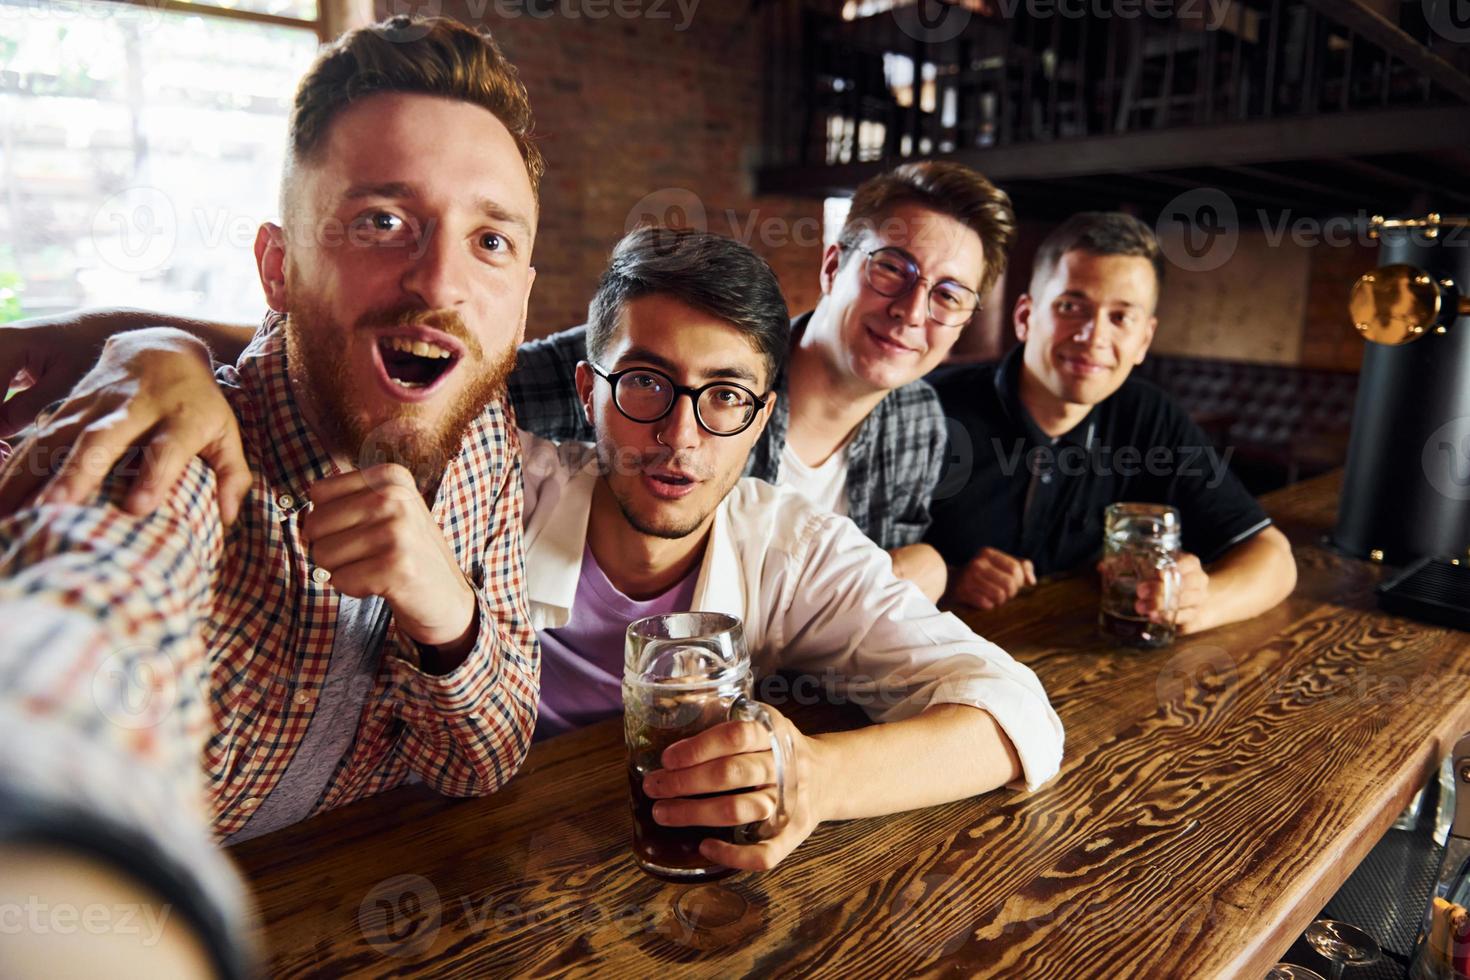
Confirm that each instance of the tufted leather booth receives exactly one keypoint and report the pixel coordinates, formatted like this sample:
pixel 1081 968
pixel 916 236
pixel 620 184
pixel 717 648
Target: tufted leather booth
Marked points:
pixel 1284 423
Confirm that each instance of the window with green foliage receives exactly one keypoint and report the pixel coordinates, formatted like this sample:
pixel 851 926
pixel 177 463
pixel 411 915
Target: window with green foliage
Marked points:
pixel 140 147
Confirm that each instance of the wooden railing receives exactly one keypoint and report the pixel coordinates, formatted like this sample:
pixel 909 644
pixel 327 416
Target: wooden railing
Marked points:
pixel 878 80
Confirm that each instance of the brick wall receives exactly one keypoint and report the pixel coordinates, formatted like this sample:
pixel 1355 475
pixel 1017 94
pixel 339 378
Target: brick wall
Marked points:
pixel 661 117
pixel 1328 338
pixel 1280 302
pixel 628 107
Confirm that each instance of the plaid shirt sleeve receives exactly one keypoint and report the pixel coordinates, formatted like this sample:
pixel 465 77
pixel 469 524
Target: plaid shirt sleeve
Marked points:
pixel 894 466
pixel 103 673
pixel 543 387
pixel 469 730
pixel 935 437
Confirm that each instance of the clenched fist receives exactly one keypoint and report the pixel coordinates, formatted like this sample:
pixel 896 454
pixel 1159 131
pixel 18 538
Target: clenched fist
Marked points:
pixel 373 531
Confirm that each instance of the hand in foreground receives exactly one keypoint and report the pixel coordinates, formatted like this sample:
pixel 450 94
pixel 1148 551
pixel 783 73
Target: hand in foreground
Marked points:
pixel 151 389
pixel 735 758
pixel 992 578
pixel 372 530
pixel 1194 594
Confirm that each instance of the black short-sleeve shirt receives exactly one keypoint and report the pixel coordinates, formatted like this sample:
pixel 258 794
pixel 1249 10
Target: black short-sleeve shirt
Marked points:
pixel 1010 486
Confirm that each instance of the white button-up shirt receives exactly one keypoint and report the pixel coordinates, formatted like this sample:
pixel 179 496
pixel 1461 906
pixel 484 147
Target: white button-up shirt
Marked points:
pixel 815 595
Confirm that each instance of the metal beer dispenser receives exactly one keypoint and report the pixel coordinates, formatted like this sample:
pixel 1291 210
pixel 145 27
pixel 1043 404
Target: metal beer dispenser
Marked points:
pixel 1406 487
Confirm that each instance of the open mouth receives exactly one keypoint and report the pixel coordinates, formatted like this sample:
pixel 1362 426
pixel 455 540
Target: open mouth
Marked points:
pixel 414 364
pixel 669 486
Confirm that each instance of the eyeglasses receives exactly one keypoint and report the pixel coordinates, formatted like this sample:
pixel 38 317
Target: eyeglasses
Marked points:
pixel 722 408
pixel 892 272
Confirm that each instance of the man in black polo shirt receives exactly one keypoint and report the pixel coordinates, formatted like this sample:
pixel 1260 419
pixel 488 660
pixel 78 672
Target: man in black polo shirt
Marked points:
pixel 1057 431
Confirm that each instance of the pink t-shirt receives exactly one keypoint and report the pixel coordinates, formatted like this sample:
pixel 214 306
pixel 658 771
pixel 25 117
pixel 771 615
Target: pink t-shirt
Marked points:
pixel 582 662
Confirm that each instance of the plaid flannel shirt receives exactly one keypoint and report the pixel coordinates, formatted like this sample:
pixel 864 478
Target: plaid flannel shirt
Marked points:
pixel 159 672
pixel 894 459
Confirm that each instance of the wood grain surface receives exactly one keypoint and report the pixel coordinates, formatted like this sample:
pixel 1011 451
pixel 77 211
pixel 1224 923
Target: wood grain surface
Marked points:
pixel 1213 796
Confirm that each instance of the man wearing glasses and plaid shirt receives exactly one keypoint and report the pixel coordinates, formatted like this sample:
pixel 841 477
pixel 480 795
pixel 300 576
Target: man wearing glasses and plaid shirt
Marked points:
pixel 854 430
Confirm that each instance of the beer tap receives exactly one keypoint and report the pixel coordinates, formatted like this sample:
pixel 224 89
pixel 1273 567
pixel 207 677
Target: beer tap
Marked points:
pixel 1400 303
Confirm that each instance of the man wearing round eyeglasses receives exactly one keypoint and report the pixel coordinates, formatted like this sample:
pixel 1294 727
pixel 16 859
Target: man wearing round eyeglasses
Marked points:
pixel 855 430
pixel 722 408
pixel 865 436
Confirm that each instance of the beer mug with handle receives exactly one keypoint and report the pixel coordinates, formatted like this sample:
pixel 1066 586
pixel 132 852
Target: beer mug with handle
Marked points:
pixel 684 673
pixel 1140 544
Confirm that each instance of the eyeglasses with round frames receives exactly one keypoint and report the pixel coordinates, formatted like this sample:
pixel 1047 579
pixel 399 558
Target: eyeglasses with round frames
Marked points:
pixel 892 272
pixel 722 408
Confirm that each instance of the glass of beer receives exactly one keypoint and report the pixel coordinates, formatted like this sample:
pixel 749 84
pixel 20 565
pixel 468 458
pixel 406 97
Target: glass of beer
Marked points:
pixel 684 673
pixel 1140 544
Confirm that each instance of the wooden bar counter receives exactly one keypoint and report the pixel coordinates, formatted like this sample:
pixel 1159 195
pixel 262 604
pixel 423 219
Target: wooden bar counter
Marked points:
pixel 1213 796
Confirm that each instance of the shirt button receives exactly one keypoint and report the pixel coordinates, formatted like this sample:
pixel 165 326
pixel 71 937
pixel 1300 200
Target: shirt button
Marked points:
pixel 302 698
pixel 249 803
pixel 1046 478
pixel 320 575
pixel 285 501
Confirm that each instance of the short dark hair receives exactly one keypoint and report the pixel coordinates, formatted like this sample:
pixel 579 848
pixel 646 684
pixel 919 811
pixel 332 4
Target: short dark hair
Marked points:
pixel 426 55
pixel 712 273
pixel 1098 233
pixel 947 188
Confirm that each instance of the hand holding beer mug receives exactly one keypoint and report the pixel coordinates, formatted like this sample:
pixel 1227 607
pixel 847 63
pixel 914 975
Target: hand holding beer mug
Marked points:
pixel 682 674
pixel 1140 544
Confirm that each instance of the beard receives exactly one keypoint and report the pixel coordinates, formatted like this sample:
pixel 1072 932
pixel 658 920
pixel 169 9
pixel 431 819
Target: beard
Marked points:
pixel 366 426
